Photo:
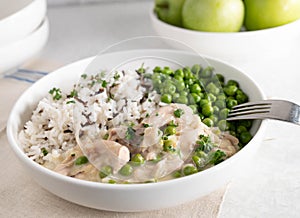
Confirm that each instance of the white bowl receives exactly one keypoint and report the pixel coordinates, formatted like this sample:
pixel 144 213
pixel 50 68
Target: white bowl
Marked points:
pixel 129 197
pixel 236 46
pixel 16 53
pixel 19 18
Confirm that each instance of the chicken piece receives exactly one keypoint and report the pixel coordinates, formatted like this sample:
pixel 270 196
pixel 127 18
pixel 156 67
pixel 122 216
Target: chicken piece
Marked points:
pixel 228 144
pixel 160 117
pixel 107 153
pixel 152 136
pixel 65 167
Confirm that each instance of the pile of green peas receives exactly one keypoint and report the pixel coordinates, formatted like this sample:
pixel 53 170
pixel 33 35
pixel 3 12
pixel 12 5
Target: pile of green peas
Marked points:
pixel 206 93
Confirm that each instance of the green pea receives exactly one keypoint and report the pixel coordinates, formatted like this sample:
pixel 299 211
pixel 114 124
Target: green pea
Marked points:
pixel 212 88
pixel 105 171
pixel 137 160
pixel 216 109
pixel 245 137
pixel 168 146
pixel 170 130
pixel 188 82
pixel 241 98
pixel 189 170
pixel 208 122
pixel 157 69
pixel 223 114
pixel 196 69
pixel 195 88
pixel 211 97
pixel 214 118
pixel 241 129
pixel 179 78
pixel 184 93
pixel 170 89
pixel 196 97
pixel 232 83
pixel 230 90
pixel 179 73
pixel 194 108
pixel 167 71
pixel 81 160
pixel 200 154
pixel 166 98
pixel 221 97
pixel 197 161
pixel 207 110
pixel 175 96
pixel 177 174
pixel 188 73
pixel 180 85
pixel 220 103
pixel 220 78
pixel 246 123
pixel 182 99
pixel 204 102
pixel 223 125
pixel 111 181
pixel 207 72
pixel 126 170
pixel 231 103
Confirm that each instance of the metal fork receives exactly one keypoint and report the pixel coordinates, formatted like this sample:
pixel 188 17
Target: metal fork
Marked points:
pixel 267 109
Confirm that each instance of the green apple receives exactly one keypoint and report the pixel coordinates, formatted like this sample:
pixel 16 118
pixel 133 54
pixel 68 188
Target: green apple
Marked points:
pixel 169 11
pixel 213 15
pixel 262 14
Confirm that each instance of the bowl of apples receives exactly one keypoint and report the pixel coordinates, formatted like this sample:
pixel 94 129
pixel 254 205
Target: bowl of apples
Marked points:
pixel 232 30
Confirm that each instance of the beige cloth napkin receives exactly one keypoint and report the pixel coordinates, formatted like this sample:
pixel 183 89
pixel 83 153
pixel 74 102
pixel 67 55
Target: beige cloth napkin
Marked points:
pixel 22 197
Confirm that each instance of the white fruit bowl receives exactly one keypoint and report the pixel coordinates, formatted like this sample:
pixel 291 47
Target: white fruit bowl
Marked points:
pixel 130 197
pixel 19 18
pixel 236 46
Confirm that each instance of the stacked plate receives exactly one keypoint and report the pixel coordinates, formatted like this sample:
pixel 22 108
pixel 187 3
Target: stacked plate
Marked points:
pixel 24 30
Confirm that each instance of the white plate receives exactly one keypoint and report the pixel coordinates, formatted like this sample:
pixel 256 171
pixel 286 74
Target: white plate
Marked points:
pixel 133 197
pixel 19 18
pixel 14 54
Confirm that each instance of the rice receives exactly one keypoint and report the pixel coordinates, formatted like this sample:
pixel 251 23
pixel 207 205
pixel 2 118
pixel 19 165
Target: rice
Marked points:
pixel 112 100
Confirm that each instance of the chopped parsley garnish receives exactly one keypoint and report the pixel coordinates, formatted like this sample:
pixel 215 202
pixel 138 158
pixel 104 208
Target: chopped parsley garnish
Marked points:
pixel 147 115
pixel 104 84
pixel 217 157
pixel 117 76
pixel 44 151
pixel 71 102
pixel 178 113
pixel 146 125
pixel 156 114
pixel 56 93
pixel 141 70
pixel 105 137
pixel 73 93
pixel 84 76
pixel 204 143
pixel 130 133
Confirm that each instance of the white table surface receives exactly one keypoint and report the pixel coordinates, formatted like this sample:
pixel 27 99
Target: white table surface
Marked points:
pixel 270 186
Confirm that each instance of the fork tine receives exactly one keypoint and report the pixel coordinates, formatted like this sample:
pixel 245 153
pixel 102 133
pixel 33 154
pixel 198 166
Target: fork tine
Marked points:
pixel 257 103
pixel 249 112
pixel 250 108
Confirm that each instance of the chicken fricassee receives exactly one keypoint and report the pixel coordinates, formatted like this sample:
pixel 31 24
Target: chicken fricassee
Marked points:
pixel 120 129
